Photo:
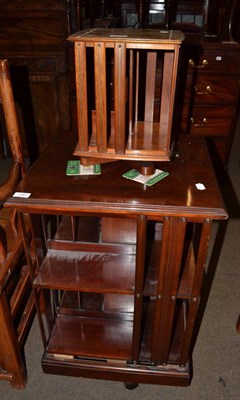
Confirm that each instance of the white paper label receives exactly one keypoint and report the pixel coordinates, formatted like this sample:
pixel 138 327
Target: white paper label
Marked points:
pixel 23 195
pixel 200 186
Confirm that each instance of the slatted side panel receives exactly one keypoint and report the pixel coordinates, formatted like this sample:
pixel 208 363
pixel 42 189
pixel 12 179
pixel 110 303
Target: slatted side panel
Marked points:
pixel 81 90
pixel 120 96
pixel 195 295
pixel 130 92
pixel 150 86
pixel 139 279
pixel 165 103
pixel 168 279
pixel 137 87
pixel 100 95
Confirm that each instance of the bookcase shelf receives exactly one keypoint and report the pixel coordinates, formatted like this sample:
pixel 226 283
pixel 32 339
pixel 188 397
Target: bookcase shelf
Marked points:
pixel 86 271
pixel 76 337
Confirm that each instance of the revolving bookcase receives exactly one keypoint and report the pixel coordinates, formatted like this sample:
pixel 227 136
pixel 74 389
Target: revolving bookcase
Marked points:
pixel 125 88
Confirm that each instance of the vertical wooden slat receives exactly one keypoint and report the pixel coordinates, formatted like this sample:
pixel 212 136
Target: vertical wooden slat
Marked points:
pixel 73 227
pixel 137 87
pixel 10 114
pixel 8 340
pixel 100 96
pixel 165 103
pixel 130 95
pixel 168 280
pixel 139 278
pixel 120 96
pixel 196 287
pixel 150 85
pixel 81 92
pixel 169 78
pixel 32 262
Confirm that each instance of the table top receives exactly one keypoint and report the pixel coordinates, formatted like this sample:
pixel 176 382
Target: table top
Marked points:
pixel 52 191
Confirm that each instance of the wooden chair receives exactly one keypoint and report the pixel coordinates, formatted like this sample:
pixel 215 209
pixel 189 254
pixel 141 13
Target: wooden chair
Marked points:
pixel 16 299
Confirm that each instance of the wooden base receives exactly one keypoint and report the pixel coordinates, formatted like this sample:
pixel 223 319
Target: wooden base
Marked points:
pixel 117 371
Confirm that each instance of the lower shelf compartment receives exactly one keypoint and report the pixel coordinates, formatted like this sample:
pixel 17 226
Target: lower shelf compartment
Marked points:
pixel 118 371
pixel 90 338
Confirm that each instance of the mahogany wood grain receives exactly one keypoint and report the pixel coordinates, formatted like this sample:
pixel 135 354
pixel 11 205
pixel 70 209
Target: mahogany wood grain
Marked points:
pixel 120 96
pixel 150 85
pixel 88 272
pixel 81 87
pixel 100 96
pixel 172 196
pixel 114 338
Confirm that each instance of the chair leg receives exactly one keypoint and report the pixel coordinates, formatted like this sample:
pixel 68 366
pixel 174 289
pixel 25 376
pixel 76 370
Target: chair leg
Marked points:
pixel 3 245
pixel 13 221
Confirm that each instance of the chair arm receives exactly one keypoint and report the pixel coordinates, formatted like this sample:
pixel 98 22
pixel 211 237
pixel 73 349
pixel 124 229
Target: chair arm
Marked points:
pixel 7 188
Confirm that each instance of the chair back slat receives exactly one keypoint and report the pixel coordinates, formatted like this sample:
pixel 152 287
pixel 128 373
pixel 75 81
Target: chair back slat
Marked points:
pixel 10 114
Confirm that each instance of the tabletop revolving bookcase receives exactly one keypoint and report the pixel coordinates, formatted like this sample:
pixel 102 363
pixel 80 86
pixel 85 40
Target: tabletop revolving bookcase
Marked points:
pixel 125 87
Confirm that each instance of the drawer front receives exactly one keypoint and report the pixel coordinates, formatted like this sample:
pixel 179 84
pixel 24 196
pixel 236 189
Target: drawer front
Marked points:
pixel 211 89
pixel 225 61
pixel 207 121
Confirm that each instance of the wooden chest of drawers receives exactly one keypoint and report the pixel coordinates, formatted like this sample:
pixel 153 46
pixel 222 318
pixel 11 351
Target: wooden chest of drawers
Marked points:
pixel 209 87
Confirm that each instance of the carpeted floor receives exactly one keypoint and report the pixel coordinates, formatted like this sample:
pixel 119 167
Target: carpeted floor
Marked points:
pixel 216 358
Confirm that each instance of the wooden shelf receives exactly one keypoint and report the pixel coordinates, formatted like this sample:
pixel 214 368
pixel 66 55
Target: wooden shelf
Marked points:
pixel 87 272
pixel 76 337
pixel 145 140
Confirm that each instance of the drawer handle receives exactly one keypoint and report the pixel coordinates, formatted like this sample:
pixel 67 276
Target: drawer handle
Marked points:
pixel 206 91
pixel 201 124
pixel 204 63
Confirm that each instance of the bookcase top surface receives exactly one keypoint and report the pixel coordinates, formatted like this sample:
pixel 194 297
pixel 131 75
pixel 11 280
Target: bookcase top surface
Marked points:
pixel 52 191
pixel 153 36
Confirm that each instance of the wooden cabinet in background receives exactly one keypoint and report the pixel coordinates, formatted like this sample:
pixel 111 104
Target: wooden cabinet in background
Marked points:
pixel 208 94
pixel 33 38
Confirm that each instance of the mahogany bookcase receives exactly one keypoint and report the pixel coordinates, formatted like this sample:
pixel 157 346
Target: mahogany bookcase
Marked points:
pixel 117 267
pixel 125 89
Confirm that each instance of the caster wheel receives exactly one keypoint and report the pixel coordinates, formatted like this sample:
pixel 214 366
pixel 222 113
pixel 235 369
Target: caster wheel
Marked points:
pixel 130 386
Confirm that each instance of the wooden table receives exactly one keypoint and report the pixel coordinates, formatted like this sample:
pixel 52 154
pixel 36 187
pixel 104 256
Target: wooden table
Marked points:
pixel 117 266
